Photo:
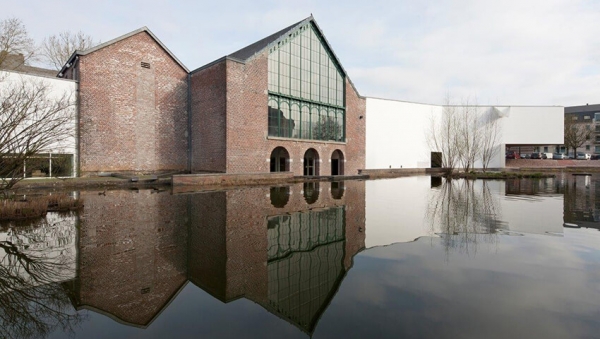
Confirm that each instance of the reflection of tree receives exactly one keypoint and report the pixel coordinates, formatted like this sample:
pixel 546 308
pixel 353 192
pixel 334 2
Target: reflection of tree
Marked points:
pixel 33 302
pixel 464 213
pixel 327 128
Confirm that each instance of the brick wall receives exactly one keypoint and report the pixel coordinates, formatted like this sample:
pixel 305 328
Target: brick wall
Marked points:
pixel 248 147
pixel 208 94
pixel 236 230
pixel 132 252
pixel 132 118
pixel 138 248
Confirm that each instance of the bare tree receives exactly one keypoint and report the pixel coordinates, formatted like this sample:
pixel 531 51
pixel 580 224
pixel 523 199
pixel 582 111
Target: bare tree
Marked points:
pixel 32 120
pixel 576 134
pixel 465 134
pixel 14 41
pixel 56 49
pixel 468 135
pixel 491 130
pixel 442 135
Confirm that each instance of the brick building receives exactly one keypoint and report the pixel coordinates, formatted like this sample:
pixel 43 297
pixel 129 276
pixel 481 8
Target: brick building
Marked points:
pixel 265 244
pixel 284 103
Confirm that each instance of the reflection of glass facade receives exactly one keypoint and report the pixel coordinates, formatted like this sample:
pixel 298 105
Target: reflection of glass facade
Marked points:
pixel 305 262
pixel 306 89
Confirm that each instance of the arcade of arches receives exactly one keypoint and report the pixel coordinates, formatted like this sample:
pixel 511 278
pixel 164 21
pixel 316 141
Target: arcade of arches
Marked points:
pixel 280 162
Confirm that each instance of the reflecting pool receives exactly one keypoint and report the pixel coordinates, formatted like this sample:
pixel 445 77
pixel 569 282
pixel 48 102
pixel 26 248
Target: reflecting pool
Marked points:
pixel 410 257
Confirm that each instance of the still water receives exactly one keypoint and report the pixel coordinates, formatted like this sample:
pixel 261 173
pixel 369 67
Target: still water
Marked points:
pixel 414 257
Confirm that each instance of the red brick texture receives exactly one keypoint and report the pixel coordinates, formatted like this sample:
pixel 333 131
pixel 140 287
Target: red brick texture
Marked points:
pixel 138 248
pixel 239 234
pixel 132 118
pixel 132 252
pixel 208 104
pixel 248 146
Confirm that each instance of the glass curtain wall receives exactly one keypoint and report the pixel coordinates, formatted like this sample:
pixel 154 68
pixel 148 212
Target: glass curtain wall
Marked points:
pixel 306 89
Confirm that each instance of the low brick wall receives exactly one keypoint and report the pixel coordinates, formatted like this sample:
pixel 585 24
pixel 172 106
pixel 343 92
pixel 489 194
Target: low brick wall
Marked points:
pixel 550 163
pixel 222 179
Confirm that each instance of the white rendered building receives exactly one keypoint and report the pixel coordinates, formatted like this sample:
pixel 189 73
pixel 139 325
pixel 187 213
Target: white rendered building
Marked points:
pixel 59 158
pixel 397 131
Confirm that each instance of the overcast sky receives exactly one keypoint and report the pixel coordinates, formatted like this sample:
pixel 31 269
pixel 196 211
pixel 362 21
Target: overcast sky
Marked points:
pixel 513 52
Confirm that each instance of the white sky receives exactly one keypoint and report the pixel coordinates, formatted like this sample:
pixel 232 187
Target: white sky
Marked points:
pixel 513 52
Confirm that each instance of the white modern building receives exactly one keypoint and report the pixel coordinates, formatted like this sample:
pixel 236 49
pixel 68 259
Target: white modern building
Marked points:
pixel 58 158
pixel 397 131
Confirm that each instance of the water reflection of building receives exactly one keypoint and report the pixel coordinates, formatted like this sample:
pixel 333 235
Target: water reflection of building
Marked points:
pixel 581 206
pixel 285 248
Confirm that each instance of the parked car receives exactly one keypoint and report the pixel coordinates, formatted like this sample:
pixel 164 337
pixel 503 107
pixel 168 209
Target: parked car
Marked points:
pixel 595 156
pixel 583 156
pixel 512 155
pixel 547 154
pixel 560 156
pixel 536 155
pixel 525 156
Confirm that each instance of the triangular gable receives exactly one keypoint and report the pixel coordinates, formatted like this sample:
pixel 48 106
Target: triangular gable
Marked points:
pixel 258 47
pixel 122 37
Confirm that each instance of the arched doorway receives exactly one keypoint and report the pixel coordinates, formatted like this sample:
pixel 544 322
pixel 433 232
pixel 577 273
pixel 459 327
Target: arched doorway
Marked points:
pixel 311 162
pixel 280 196
pixel 280 160
pixel 337 163
pixel 311 192
pixel 337 189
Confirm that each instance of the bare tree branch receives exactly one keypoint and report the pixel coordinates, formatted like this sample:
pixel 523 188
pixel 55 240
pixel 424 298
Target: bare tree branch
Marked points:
pixel 32 120
pixel 56 49
pixel 14 41
pixel 576 134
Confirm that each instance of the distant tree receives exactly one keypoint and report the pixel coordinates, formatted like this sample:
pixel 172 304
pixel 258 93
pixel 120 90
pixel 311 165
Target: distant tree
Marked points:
pixel 469 136
pixel 576 134
pixel 56 49
pixel 32 120
pixel 14 41
pixel 442 135
pixel 463 135
pixel 327 128
pixel 491 130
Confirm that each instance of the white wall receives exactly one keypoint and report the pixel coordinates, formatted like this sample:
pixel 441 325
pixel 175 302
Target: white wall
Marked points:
pixel 399 210
pixel 397 131
pixel 396 134
pixel 56 89
pixel 534 125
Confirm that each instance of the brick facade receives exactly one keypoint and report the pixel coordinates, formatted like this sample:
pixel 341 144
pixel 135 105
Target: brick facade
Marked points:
pixel 138 248
pixel 132 118
pixel 248 145
pixel 136 101
pixel 208 104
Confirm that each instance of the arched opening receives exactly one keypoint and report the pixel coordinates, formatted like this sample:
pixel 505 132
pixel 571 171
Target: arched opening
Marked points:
pixel 311 192
pixel 280 160
pixel 311 162
pixel 337 189
pixel 280 196
pixel 337 163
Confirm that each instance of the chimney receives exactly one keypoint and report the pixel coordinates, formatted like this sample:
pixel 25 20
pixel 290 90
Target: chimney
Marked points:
pixel 11 61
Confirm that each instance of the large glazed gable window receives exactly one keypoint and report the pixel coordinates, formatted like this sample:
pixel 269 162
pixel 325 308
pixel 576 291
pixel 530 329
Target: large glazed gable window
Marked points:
pixel 306 89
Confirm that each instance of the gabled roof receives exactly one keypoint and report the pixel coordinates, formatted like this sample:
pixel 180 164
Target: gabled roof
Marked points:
pixel 258 47
pixel 122 37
